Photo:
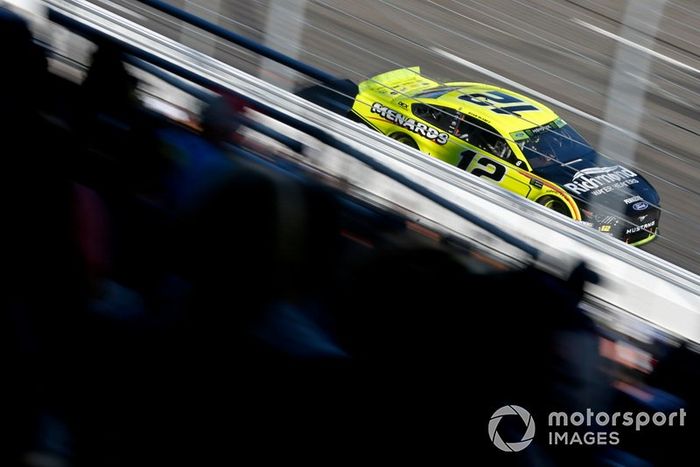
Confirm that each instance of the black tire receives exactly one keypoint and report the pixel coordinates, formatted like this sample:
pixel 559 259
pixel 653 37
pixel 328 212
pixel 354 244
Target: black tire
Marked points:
pixel 405 139
pixel 555 204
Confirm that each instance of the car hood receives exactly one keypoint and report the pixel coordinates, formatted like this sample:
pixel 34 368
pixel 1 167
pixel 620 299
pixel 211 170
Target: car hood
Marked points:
pixel 602 181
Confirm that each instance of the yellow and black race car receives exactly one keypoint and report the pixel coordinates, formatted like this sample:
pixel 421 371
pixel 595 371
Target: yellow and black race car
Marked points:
pixel 513 141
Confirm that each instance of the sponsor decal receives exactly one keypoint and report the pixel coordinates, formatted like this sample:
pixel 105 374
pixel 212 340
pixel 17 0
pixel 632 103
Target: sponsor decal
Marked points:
pixel 534 182
pixel 640 206
pixel 540 129
pixel 555 125
pixel 410 124
pixel 600 180
pixel 633 199
pixel 519 135
pixel 638 228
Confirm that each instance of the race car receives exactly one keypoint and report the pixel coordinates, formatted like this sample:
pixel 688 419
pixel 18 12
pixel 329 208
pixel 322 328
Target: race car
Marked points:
pixel 513 141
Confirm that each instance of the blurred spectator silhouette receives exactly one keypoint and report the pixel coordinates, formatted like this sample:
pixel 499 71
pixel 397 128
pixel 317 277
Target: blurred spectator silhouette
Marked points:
pixel 43 284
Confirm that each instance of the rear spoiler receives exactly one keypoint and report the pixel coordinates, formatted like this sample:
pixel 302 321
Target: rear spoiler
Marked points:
pixel 403 80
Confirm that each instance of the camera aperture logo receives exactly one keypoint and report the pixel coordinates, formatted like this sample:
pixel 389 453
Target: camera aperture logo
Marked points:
pixel 527 436
pixel 579 428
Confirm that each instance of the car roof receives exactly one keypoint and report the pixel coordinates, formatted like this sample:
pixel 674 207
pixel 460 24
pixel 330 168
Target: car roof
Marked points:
pixel 463 97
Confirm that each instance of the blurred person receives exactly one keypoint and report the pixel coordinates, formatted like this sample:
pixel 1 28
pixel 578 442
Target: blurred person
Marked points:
pixel 24 77
pixel 124 169
pixel 673 384
pixel 221 119
pixel 199 162
pixel 439 349
pixel 108 87
pixel 117 132
pixel 43 300
pixel 263 249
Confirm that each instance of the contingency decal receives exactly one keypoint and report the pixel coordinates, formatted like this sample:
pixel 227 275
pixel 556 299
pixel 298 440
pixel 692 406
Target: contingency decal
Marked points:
pixel 633 199
pixel 599 180
pixel 410 124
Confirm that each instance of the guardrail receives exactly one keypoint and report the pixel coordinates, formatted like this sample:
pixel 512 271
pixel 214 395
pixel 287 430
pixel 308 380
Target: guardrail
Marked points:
pixel 295 123
pixel 632 280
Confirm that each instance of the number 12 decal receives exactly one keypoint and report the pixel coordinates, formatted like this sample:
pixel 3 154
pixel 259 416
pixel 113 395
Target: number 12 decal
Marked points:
pixel 496 172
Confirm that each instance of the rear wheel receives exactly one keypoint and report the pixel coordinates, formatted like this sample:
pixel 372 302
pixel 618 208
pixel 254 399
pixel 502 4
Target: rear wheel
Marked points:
pixel 405 139
pixel 555 204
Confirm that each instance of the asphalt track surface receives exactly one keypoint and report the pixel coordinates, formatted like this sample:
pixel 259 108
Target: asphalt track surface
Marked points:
pixel 563 49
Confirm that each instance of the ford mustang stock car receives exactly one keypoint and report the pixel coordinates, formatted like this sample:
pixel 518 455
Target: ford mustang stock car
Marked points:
pixel 513 141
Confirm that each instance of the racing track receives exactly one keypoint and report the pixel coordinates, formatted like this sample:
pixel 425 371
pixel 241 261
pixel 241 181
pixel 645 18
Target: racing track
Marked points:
pixel 563 49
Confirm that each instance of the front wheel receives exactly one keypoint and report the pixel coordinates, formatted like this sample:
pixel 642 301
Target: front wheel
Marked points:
pixel 555 204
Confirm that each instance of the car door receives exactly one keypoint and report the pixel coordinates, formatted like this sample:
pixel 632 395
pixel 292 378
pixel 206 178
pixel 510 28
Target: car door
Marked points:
pixel 484 152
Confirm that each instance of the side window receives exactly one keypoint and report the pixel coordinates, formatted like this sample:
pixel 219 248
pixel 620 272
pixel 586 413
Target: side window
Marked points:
pixel 441 117
pixel 484 136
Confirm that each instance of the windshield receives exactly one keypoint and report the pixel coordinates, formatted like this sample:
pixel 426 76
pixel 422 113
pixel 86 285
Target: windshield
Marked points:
pixel 549 145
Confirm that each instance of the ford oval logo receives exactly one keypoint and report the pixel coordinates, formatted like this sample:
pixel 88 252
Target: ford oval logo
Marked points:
pixel 640 206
